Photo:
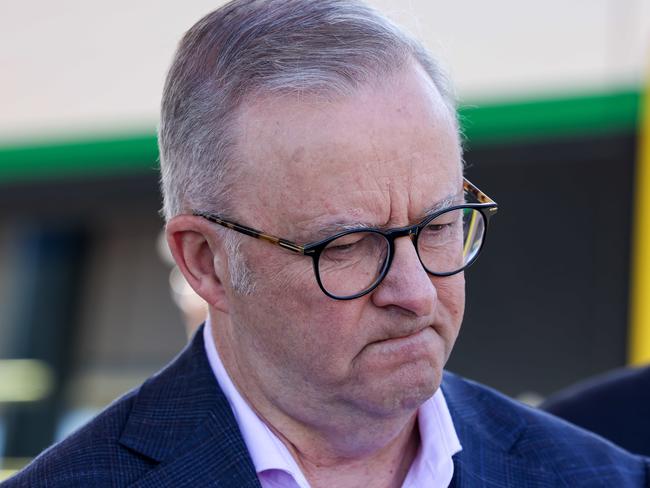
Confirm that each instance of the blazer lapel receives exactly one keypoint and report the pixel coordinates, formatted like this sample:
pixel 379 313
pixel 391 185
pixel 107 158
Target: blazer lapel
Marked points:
pixel 481 464
pixel 488 435
pixel 183 423
pixel 211 456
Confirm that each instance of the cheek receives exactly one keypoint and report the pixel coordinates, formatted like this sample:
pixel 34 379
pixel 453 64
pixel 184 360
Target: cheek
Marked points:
pixel 312 334
pixel 451 305
pixel 451 293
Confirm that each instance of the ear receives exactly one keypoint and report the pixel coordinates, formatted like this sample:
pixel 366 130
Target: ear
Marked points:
pixel 199 254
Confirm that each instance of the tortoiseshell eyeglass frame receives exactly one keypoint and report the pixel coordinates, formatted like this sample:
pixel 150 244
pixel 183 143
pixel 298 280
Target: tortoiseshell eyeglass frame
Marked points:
pixel 486 206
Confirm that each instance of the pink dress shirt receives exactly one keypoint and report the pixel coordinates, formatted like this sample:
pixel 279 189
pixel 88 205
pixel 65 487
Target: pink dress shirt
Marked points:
pixel 276 468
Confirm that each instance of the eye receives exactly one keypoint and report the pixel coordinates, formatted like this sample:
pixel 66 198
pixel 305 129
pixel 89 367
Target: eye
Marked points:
pixel 356 246
pixel 442 230
pixel 341 248
pixel 349 240
pixel 343 245
pixel 437 227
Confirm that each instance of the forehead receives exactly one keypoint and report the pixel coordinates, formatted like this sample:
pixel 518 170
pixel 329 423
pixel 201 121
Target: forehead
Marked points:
pixel 380 156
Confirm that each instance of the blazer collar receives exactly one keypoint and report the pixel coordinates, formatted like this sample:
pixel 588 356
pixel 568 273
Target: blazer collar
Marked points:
pixel 181 419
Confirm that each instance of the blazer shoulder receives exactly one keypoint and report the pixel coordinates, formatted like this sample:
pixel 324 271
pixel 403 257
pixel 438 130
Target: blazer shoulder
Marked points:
pixel 177 416
pixel 99 453
pixel 543 442
pixel 88 457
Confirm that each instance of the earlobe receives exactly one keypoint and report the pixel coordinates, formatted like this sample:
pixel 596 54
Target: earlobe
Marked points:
pixel 198 254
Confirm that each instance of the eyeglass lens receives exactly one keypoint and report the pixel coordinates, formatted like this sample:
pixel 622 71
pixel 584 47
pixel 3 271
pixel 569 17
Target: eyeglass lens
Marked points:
pixel 354 262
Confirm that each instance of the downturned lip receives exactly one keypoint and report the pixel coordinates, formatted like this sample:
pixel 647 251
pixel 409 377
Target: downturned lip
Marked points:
pixel 396 337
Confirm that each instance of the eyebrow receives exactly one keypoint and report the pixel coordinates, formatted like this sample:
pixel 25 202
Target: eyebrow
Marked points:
pixel 331 228
pixel 444 203
pixel 334 227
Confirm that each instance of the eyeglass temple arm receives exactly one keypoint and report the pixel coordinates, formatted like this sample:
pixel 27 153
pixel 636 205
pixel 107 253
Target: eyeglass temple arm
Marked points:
pixel 478 194
pixel 291 246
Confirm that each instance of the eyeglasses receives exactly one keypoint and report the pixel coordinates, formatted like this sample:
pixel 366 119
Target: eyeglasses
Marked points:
pixel 353 262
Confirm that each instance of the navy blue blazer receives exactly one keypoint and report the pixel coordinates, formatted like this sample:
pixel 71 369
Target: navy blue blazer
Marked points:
pixel 177 430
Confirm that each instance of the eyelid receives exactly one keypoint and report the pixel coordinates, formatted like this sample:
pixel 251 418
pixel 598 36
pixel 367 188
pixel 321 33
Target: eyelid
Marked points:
pixel 350 238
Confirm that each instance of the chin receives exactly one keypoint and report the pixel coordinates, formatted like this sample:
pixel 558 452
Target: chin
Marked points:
pixel 419 392
pixel 405 391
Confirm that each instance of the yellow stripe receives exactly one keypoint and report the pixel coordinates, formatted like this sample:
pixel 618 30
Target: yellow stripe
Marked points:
pixel 470 235
pixel 639 347
pixel 10 466
pixel 7 473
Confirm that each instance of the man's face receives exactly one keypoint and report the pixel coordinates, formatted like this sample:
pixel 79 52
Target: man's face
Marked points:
pixel 383 157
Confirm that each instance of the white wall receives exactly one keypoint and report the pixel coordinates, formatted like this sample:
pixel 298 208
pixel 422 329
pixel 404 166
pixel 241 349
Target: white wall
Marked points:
pixel 72 66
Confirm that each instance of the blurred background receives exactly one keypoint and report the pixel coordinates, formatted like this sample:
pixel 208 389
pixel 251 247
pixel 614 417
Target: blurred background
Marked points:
pixel 90 305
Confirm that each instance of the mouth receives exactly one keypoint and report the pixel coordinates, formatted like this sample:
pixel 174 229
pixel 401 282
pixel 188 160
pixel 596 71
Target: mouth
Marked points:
pixel 397 338
pixel 413 345
pixel 408 347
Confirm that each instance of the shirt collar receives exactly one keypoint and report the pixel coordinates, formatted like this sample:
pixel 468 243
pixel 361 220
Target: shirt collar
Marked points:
pixel 433 464
pixel 266 450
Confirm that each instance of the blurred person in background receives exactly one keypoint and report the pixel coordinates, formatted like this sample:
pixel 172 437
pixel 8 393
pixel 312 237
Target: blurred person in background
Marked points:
pixel 615 405
pixel 321 362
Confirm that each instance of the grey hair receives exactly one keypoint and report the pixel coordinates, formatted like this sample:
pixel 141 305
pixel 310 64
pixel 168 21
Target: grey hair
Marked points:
pixel 247 48
pixel 241 276
pixel 252 47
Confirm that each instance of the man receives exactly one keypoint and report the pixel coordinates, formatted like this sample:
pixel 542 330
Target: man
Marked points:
pixel 615 405
pixel 287 122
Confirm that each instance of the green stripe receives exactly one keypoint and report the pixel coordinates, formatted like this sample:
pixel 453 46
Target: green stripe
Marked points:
pixel 560 117
pixel 483 123
pixel 123 154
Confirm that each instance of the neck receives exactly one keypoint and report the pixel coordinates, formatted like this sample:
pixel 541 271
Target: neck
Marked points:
pixel 332 448
pixel 372 452
pixel 385 466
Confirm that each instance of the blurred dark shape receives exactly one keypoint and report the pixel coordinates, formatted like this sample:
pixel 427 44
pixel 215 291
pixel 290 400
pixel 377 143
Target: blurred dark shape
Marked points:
pixel 615 405
pixel 44 317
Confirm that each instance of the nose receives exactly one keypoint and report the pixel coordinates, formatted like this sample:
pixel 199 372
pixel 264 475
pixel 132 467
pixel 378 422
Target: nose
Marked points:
pixel 407 285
